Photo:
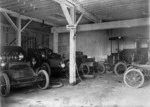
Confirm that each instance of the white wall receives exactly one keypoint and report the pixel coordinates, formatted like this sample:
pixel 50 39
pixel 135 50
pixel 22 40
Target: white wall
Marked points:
pixel 7 34
pixel 131 34
pixel 94 44
pixel 91 43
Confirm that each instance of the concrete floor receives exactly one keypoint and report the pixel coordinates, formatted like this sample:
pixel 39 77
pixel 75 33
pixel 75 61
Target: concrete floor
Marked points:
pixel 103 91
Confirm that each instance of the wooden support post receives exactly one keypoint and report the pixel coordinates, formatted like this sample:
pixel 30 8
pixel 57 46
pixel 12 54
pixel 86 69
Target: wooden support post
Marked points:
pixel 55 42
pixel 72 67
pixel 70 17
pixel 72 48
pixel 19 31
pixel 149 46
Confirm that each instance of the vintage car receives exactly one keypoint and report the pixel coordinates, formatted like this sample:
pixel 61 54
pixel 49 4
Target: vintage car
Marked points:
pixel 46 59
pixel 84 65
pixel 16 72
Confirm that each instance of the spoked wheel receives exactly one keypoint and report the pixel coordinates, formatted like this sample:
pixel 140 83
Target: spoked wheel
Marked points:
pixel 5 85
pixel 134 78
pixel 85 69
pixel 131 67
pixel 46 67
pixel 100 68
pixel 120 68
pixel 44 79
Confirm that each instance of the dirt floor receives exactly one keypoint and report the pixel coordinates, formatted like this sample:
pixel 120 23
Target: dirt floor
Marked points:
pixel 103 91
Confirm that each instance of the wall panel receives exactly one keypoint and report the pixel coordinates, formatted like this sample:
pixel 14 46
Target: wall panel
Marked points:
pixel 92 43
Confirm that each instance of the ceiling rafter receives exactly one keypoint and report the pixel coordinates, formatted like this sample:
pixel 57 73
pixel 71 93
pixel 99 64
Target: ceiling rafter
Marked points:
pixel 80 9
pixel 15 14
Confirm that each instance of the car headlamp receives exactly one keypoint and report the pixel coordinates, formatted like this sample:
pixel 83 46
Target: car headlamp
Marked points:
pixel 21 56
pixel 3 64
pixel 62 65
pixel 33 61
pixel 43 55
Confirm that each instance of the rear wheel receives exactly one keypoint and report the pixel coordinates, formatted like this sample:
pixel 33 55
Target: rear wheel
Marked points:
pixel 134 78
pixel 100 68
pixel 120 68
pixel 5 85
pixel 44 79
pixel 109 68
pixel 85 69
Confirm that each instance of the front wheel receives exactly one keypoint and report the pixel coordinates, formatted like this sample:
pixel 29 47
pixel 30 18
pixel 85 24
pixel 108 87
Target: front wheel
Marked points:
pixel 46 67
pixel 120 68
pixel 133 78
pixel 5 85
pixel 44 79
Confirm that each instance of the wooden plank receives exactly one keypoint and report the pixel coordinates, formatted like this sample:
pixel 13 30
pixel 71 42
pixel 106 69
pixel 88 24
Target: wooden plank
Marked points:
pixel 107 25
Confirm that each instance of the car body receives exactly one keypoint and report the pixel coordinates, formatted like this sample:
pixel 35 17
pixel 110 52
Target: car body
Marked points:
pixel 15 71
pixel 51 62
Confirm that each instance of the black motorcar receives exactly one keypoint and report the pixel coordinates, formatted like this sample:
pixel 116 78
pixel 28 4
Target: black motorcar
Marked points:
pixel 84 65
pixel 46 59
pixel 15 71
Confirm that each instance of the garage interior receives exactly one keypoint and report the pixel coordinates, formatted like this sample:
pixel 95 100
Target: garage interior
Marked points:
pixel 68 26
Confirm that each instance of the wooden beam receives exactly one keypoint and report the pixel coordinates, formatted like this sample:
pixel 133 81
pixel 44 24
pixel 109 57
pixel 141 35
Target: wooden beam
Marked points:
pixel 10 21
pixel 19 31
pixel 26 25
pixel 80 9
pixel 70 17
pixel 55 42
pixel 66 13
pixel 15 14
pixel 107 25
pixel 79 19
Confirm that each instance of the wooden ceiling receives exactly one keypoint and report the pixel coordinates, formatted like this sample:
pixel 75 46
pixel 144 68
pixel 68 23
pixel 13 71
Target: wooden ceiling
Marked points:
pixel 112 10
pixel 105 10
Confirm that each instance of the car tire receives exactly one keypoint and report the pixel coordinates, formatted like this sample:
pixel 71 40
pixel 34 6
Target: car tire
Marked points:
pixel 100 68
pixel 46 67
pixel 109 69
pixel 120 68
pixel 85 69
pixel 130 77
pixel 42 74
pixel 6 82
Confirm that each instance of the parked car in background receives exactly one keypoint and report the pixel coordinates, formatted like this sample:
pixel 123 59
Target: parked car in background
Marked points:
pixel 15 71
pixel 46 59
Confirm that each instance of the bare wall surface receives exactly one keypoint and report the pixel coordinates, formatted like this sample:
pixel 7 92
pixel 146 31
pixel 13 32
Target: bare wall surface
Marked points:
pixel 92 43
pixel 8 35
pixel 132 34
